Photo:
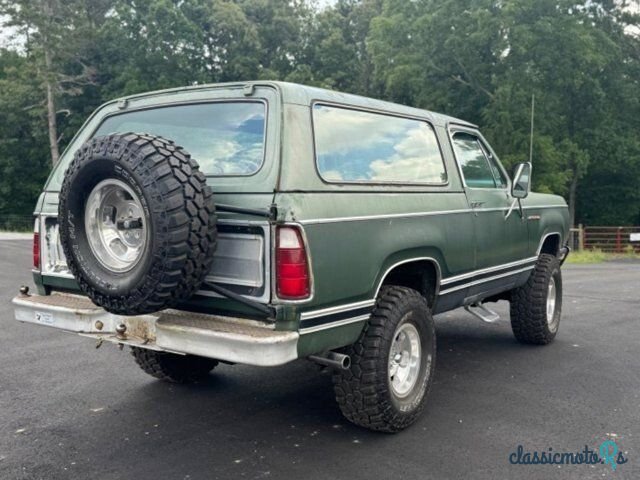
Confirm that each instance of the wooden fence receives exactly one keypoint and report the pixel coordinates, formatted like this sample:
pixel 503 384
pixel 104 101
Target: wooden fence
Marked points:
pixel 607 239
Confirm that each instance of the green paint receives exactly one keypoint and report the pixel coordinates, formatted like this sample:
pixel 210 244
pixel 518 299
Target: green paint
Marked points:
pixel 356 233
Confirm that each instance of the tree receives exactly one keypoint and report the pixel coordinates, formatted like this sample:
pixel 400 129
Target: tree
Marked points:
pixel 335 54
pixel 23 142
pixel 54 31
pixel 480 60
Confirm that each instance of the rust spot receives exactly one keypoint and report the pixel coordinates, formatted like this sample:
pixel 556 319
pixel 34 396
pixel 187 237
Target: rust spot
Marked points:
pixel 141 328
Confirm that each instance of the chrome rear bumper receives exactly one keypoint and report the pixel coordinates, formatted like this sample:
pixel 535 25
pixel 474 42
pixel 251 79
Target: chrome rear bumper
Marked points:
pixel 223 338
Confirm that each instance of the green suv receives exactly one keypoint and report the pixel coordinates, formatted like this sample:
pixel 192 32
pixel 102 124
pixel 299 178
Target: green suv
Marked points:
pixel 263 222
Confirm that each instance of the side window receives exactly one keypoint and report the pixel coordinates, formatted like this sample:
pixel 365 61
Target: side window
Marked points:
pixel 498 174
pixel 479 168
pixel 357 146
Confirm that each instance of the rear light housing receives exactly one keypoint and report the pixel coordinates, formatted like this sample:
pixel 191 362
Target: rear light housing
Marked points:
pixel 36 245
pixel 293 281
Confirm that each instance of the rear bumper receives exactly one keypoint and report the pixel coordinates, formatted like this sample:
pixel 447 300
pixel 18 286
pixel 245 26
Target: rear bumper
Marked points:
pixel 223 338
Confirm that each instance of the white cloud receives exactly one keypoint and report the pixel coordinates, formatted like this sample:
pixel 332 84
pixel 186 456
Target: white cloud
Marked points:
pixel 416 156
pixel 332 175
pixel 411 169
pixel 228 157
pixel 340 130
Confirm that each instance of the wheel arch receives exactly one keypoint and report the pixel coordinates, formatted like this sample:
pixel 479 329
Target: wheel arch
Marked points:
pixel 550 243
pixel 421 273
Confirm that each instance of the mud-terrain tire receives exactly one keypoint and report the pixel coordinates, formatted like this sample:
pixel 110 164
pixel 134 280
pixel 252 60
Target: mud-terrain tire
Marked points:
pixel 366 392
pixel 531 321
pixel 173 368
pixel 170 227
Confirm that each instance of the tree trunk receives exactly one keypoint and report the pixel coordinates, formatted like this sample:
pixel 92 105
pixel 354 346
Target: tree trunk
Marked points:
pixel 572 199
pixel 51 110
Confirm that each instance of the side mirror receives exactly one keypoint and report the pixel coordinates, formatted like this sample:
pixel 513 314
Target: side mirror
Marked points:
pixel 521 184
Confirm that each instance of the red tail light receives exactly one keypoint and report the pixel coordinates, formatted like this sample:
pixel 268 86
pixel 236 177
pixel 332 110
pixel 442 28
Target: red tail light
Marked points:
pixel 36 250
pixel 292 270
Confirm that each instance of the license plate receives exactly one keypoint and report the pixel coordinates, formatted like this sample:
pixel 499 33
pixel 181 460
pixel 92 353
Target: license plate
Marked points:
pixel 45 318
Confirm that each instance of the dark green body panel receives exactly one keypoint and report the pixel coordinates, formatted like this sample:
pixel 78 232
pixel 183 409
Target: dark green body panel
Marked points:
pixel 355 233
pixel 329 339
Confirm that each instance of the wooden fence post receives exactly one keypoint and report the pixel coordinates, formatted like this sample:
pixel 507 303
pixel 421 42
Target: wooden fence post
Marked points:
pixel 580 237
pixel 619 240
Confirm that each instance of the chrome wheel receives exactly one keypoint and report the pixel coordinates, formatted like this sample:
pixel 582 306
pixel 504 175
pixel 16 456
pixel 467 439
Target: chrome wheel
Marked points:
pixel 116 226
pixel 404 359
pixel 551 300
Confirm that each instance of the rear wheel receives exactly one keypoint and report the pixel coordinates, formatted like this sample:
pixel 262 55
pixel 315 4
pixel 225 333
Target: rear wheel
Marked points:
pixel 536 307
pixel 173 368
pixel 392 364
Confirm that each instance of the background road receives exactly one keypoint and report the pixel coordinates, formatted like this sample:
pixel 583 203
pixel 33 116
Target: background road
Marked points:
pixel 70 411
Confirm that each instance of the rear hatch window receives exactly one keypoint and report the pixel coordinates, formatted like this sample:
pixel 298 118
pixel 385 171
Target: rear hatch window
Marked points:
pixel 226 138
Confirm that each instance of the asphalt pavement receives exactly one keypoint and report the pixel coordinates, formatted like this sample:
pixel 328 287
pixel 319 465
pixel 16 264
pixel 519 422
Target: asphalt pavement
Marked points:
pixel 69 411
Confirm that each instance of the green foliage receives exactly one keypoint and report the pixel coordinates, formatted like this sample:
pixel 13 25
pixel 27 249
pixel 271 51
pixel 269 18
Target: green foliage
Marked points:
pixel 24 160
pixel 480 60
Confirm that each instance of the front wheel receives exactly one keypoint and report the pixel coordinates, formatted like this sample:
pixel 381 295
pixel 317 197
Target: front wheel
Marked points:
pixel 537 305
pixel 392 364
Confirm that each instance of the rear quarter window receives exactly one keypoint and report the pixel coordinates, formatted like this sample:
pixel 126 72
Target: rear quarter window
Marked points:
pixel 354 146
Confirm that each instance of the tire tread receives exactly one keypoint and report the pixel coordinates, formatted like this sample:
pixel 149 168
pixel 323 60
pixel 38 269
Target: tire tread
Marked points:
pixel 171 367
pixel 361 391
pixel 187 238
pixel 528 304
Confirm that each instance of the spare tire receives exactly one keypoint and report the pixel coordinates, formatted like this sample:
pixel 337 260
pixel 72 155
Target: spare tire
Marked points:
pixel 137 223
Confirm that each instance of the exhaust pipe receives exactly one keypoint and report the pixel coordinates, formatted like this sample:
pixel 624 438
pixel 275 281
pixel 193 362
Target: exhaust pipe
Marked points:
pixel 336 360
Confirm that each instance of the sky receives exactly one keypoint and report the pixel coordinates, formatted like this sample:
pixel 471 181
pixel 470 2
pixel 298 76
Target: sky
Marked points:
pixel 5 33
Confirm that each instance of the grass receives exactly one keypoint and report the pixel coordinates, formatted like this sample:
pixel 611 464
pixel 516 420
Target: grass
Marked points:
pixel 16 230
pixel 11 223
pixel 598 256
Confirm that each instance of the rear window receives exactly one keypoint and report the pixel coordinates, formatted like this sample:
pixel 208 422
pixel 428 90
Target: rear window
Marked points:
pixel 358 146
pixel 225 138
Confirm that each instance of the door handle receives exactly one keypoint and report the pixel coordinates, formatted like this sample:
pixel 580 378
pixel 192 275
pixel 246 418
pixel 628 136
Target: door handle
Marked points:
pixel 476 204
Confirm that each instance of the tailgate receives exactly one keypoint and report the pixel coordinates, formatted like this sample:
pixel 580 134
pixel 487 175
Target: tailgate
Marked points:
pixel 241 260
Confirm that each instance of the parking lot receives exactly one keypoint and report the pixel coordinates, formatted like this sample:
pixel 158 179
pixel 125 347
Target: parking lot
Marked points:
pixel 68 410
